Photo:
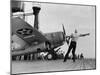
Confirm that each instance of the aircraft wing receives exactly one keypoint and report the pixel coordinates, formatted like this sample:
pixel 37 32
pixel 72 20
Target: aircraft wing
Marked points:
pixel 31 49
pixel 26 31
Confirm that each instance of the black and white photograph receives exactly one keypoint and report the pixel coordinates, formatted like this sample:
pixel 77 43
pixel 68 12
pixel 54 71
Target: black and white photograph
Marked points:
pixel 52 37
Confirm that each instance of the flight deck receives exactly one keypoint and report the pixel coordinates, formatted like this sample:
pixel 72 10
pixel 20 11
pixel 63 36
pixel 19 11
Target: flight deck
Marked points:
pixel 21 67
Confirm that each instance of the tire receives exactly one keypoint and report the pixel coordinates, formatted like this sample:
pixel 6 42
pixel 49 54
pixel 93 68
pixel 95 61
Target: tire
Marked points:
pixel 49 56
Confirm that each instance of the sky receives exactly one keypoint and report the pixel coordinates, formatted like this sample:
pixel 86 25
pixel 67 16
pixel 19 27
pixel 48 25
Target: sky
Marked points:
pixel 82 18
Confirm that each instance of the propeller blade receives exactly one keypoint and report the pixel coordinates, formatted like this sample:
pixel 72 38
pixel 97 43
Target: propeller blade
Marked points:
pixel 64 30
pixel 64 33
pixel 66 38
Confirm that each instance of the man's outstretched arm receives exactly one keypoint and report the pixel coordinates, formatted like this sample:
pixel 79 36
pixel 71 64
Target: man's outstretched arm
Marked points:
pixel 82 35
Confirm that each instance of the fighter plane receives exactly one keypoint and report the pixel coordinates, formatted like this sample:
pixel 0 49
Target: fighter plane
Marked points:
pixel 27 41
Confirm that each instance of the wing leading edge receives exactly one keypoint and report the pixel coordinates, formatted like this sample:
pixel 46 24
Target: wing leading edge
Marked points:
pixel 26 31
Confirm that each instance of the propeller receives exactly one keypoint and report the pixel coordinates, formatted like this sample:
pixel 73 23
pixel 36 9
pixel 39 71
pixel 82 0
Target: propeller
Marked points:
pixel 64 30
pixel 66 38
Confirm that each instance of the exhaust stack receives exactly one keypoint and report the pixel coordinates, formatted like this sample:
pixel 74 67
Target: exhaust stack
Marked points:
pixel 36 14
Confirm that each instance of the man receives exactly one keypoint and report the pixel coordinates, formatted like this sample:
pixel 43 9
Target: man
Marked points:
pixel 74 37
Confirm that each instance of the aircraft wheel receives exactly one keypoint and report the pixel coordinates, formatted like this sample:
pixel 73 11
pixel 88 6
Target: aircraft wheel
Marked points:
pixel 49 56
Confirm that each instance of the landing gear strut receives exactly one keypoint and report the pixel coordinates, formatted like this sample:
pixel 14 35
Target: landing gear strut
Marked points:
pixel 51 53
